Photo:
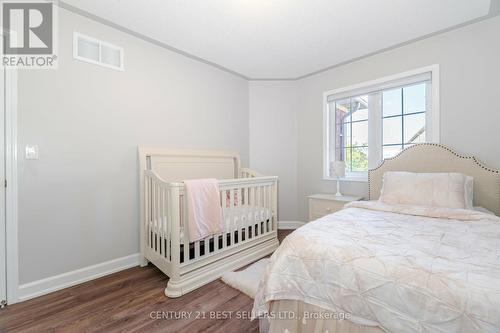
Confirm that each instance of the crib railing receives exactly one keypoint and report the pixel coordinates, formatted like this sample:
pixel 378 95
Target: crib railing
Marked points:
pixel 249 213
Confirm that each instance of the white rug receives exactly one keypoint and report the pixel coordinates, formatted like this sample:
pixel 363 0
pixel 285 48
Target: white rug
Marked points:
pixel 247 280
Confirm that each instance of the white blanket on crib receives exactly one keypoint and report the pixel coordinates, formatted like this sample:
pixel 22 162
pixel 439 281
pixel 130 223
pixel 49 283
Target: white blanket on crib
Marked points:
pixel 204 208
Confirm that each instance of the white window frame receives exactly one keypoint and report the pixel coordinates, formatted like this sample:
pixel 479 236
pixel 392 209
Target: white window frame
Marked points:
pixel 432 114
pixel 77 35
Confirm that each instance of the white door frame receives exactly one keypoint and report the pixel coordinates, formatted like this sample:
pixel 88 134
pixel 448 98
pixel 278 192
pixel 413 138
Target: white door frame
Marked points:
pixel 11 177
pixel 3 230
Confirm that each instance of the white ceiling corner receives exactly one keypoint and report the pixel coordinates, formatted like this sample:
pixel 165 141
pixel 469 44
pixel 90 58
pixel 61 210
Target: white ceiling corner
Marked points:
pixel 283 38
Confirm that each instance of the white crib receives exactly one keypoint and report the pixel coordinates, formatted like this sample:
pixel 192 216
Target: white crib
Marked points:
pixel 249 210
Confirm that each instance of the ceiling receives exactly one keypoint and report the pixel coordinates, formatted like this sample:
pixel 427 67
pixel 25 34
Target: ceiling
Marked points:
pixel 285 39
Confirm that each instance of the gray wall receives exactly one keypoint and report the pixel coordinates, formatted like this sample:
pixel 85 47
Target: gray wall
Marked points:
pixel 78 204
pixel 470 112
pixel 273 139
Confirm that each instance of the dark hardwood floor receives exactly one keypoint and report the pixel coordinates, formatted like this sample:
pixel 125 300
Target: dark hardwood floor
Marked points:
pixel 132 301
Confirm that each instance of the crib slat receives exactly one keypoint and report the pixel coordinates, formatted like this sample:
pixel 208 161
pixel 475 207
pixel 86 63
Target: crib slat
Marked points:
pixel 266 205
pixel 222 205
pixel 260 193
pixel 247 207
pixel 224 218
pixel 196 249
pixel 262 210
pixel 161 238
pixel 151 215
pixel 153 211
pixel 167 226
pixel 239 214
pixel 268 210
pixel 147 182
pixel 157 219
pixel 231 216
pixel 155 215
pixel 186 231
pixel 253 201
pixel 163 223
pixel 150 210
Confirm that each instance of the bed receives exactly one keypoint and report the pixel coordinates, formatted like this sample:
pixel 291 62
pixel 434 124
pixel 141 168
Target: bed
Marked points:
pixel 248 204
pixel 379 267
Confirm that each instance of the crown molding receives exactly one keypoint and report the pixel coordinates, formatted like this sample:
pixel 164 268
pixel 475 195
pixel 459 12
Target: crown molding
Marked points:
pixel 493 12
pixel 156 42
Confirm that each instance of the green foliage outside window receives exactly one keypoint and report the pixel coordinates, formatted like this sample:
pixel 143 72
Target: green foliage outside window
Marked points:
pixel 356 159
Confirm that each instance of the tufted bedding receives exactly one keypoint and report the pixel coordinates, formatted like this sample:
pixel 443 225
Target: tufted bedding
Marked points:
pixel 401 268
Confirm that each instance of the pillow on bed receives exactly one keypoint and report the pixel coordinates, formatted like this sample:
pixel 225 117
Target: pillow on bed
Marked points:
pixel 469 192
pixel 451 190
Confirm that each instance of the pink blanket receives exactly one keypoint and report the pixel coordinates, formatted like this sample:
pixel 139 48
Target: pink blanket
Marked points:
pixel 204 208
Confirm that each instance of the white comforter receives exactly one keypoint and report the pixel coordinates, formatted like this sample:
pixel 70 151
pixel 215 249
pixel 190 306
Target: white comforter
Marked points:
pixel 402 268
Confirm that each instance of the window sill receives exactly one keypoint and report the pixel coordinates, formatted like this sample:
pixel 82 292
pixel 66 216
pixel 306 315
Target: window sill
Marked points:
pixel 349 179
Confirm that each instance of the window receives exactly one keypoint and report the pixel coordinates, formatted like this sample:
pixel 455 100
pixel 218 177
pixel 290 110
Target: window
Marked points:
pixel 351 133
pixel 97 52
pixel 403 117
pixel 376 120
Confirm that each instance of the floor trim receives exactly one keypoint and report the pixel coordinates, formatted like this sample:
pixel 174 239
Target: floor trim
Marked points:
pixel 286 225
pixel 45 286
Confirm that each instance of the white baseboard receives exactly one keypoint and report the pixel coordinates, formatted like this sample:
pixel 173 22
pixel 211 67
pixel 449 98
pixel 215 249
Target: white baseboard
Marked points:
pixel 44 286
pixel 47 285
pixel 290 224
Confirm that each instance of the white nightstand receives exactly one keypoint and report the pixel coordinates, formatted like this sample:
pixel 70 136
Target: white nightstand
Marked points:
pixel 324 204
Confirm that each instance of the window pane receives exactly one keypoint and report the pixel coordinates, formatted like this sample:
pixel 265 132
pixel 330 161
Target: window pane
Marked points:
pixel 343 111
pixel 110 56
pixel 347 134
pixel 392 130
pixel 391 105
pixel 359 159
pixel 347 156
pixel 88 49
pixel 414 128
pixel 390 151
pixel 342 136
pixel 360 133
pixel 414 98
pixel 359 107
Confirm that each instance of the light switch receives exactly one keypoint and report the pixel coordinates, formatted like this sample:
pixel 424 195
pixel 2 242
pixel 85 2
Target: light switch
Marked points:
pixel 31 152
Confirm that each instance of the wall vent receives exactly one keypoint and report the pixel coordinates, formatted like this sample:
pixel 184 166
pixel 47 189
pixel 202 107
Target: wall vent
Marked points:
pixel 97 52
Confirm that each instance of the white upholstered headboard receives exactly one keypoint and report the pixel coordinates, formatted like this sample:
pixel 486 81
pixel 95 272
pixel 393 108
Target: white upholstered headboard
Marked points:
pixel 176 165
pixel 431 157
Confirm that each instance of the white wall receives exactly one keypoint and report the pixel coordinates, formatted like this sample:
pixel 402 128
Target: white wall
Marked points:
pixel 470 112
pixel 79 204
pixel 273 139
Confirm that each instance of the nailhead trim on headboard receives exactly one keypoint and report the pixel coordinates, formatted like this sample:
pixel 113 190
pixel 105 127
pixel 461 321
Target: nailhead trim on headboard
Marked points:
pixel 416 146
